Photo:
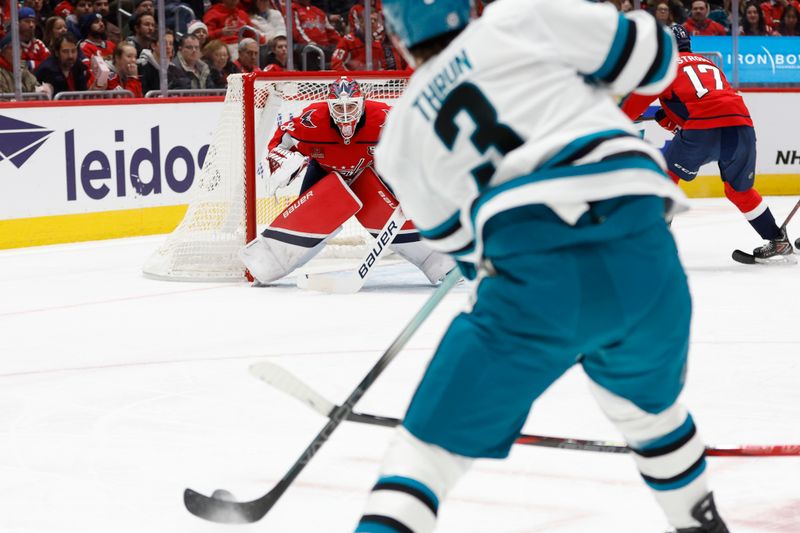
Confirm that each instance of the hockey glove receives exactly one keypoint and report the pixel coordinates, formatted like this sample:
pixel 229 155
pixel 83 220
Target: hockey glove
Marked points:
pixel 664 121
pixel 284 166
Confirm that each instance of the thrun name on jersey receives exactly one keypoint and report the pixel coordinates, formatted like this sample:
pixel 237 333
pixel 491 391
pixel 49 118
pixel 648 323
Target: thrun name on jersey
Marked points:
pixel 441 84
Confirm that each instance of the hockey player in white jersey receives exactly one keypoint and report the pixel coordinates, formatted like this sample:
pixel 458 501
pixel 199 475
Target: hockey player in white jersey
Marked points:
pixel 509 152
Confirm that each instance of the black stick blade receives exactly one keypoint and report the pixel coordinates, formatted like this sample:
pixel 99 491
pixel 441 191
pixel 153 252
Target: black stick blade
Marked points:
pixel 743 257
pixel 224 510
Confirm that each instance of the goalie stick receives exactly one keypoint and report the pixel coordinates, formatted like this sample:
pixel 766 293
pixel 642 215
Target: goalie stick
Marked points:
pixel 352 280
pixel 290 384
pixel 221 507
pixel 749 259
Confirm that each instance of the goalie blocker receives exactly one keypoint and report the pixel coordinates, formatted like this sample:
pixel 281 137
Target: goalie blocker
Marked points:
pixel 299 232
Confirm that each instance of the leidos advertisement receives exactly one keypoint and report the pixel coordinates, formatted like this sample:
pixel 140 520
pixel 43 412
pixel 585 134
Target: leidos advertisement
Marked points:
pixel 89 158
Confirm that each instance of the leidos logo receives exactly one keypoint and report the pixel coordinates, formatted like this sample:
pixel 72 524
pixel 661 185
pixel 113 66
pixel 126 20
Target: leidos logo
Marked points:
pixel 20 140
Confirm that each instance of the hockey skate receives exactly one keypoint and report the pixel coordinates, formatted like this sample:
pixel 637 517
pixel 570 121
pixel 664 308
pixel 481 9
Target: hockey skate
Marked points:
pixel 777 250
pixel 705 512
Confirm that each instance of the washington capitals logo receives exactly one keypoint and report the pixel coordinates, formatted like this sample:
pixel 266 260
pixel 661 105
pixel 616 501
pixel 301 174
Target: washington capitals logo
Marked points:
pixel 20 140
pixel 306 120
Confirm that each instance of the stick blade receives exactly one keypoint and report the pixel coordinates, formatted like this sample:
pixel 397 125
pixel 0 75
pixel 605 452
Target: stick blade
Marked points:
pixel 342 283
pixel 226 511
pixel 743 257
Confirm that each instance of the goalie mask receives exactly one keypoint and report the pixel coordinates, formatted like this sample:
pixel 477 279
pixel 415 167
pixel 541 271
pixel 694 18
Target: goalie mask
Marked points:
pixel 346 105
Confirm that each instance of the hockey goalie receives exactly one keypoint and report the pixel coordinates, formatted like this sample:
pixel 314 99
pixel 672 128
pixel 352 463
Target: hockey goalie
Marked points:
pixel 331 144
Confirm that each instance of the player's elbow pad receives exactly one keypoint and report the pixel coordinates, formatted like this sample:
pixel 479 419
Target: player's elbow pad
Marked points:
pixel 642 57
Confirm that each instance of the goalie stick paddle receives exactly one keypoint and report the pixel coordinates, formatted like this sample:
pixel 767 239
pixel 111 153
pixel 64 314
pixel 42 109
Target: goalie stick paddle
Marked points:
pixel 290 384
pixel 351 281
pixel 221 507
pixel 749 259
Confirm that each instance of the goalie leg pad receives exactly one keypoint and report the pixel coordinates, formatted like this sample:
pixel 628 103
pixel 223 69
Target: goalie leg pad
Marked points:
pixel 300 231
pixel 668 451
pixel 378 205
pixel 435 265
pixel 414 478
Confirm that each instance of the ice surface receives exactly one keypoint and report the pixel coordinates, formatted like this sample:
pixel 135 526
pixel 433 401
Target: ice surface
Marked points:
pixel 117 392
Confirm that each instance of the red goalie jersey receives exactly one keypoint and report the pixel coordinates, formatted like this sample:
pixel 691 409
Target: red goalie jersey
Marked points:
pixel 700 97
pixel 314 134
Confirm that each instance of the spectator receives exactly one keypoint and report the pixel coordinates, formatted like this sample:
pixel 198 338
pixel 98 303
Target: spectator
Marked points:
pixel 351 52
pixel 663 14
pixel 248 56
pixel 34 51
pixel 355 17
pixel 29 83
pixel 773 10
pixel 54 27
pixel 177 17
pixel 38 8
pixel 62 70
pixel 64 9
pixel 216 56
pixel 150 66
pixel 278 55
pixel 266 19
pixel 754 23
pixel 192 72
pixel 199 30
pixel 311 26
pixel 142 7
pixel 224 20
pixel 95 41
pixel 144 31
pixel 699 23
pixel 125 75
pixel 625 6
pixel 112 30
pixel 82 7
pixel 788 25
pixel 719 14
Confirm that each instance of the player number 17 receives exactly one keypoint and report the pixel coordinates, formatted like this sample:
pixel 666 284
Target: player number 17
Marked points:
pixel 697 83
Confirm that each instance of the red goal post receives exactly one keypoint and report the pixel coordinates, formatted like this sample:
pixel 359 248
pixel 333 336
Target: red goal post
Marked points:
pixel 229 203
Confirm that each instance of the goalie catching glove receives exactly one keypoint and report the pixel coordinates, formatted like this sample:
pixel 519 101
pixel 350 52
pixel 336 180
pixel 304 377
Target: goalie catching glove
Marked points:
pixel 284 166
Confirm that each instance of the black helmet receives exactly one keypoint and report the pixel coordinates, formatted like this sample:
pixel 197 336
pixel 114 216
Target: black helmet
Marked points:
pixel 682 36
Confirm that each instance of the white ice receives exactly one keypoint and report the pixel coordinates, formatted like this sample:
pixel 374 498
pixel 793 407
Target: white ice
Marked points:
pixel 117 392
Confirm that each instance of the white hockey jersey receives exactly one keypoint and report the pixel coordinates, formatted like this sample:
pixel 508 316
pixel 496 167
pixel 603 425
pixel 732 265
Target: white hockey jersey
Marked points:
pixel 519 99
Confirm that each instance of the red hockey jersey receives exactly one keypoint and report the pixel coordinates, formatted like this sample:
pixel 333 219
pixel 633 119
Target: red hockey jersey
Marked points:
pixel 351 54
pixel 314 134
pixel 700 97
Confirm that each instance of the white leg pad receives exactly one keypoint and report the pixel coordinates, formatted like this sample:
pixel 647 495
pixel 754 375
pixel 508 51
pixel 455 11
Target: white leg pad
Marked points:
pixel 435 265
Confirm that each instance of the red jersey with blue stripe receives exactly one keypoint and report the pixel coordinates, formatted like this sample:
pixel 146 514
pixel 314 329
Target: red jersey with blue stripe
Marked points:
pixel 700 97
pixel 314 134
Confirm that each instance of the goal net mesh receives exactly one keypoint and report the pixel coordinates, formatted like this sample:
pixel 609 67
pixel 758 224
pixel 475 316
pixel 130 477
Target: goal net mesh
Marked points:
pixel 217 223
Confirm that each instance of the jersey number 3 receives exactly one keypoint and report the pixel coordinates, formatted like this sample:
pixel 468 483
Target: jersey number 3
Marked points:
pixel 697 83
pixel 488 131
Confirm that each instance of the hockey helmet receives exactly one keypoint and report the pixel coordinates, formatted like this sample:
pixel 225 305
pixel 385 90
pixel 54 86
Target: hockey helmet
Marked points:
pixel 682 37
pixel 415 21
pixel 346 105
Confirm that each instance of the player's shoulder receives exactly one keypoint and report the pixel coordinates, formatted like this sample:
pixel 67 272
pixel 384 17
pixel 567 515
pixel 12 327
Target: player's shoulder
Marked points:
pixel 312 121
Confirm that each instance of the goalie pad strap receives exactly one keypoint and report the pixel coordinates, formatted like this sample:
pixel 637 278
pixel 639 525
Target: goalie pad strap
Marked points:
pixel 315 214
pixel 378 205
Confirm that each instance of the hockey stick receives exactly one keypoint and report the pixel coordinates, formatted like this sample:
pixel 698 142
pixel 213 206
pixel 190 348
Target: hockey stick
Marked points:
pixel 290 384
pixel 749 259
pixel 221 507
pixel 352 281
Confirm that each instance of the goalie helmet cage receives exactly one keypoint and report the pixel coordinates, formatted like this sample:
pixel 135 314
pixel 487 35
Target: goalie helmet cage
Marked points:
pixel 229 204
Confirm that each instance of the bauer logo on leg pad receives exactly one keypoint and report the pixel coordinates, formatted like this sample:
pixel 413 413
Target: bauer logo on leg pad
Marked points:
pixel 383 240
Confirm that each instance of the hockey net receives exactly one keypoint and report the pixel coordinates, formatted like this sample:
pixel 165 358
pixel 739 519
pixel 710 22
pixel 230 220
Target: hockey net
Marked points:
pixel 229 204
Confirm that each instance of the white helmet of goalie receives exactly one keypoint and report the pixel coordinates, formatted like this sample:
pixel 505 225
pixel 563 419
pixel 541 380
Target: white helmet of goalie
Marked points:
pixel 346 105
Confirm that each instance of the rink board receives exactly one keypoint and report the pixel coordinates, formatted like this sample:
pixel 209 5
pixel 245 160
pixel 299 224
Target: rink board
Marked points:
pixel 81 171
